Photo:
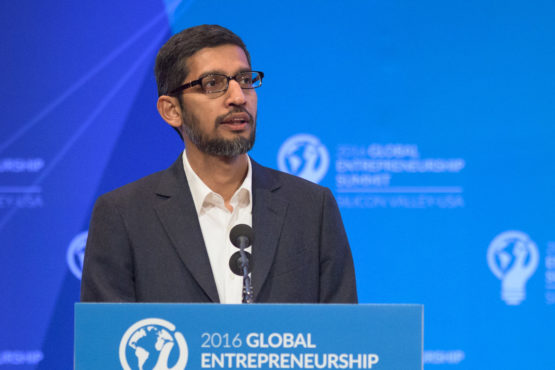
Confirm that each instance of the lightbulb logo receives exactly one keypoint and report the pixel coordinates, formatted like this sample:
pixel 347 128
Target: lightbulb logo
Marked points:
pixel 513 257
pixel 149 344
pixel 76 254
pixel 305 156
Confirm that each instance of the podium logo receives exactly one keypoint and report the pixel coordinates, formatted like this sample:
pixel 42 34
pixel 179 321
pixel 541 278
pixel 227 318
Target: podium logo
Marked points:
pixel 76 254
pixel 513 258
pixel 150 344
pixel 305 156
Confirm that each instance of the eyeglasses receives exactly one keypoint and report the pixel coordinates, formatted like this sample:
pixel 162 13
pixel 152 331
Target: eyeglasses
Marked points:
pixel 216 82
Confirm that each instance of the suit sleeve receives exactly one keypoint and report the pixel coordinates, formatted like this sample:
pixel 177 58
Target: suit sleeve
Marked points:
pixel 108 267
pixel 337 273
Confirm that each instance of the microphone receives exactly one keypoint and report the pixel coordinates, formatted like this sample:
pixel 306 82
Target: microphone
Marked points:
pixel 236 263
pixel 242 236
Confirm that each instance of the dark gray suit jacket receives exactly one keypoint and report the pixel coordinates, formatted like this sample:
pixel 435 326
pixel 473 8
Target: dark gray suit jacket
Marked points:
pixel 145 243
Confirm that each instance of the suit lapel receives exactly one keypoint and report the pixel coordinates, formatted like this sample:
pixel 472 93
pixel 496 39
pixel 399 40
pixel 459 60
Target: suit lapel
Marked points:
pixel 178 215
pixel 268 215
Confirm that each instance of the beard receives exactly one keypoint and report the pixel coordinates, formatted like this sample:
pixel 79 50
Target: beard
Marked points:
pixel 218 146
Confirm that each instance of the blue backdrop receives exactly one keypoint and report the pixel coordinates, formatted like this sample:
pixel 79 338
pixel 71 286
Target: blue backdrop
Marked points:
pixel 432 122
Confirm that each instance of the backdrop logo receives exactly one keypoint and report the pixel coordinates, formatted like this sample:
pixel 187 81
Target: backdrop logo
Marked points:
pixel 148 344
pixel 305 156
pixel 513 258
pixel 76 254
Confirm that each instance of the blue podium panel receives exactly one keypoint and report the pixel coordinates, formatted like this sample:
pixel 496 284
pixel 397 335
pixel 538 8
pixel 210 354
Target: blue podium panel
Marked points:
pixel 210 336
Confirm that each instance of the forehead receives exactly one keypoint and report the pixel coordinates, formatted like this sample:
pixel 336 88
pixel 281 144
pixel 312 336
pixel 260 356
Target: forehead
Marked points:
pixel 228 59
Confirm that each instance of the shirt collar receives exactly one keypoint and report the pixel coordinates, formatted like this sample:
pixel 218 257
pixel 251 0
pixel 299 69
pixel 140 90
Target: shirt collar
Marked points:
pixel 200 191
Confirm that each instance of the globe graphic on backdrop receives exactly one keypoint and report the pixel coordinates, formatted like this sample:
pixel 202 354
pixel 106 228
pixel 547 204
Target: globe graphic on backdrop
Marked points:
pixel 505 258
pixel 513 258
pixel 146 345
pixel 512 252
pixel 305 156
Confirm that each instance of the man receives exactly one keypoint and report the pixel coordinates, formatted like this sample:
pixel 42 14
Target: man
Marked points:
pixel 165 238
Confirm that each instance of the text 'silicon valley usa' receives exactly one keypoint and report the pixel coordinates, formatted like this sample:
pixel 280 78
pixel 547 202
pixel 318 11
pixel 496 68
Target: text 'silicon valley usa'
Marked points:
pixel 76 254
pixel 305 156
pixel 513 258
pixel 153 344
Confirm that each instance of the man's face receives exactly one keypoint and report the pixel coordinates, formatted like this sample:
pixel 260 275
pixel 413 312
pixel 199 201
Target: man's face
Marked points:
pixel 221 124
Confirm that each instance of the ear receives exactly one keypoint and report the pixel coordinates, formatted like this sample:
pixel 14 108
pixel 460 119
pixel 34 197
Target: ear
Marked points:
pixel 170 110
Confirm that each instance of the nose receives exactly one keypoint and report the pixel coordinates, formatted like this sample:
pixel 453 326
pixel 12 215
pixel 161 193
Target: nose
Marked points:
pixel 235 94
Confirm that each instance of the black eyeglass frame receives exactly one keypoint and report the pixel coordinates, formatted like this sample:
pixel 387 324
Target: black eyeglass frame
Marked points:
pixel 229 78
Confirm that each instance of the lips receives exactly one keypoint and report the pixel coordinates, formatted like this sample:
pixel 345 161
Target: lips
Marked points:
pixel 241 118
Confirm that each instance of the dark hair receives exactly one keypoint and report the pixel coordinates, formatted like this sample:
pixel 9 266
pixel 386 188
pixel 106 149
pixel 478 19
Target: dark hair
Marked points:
pixel 170 68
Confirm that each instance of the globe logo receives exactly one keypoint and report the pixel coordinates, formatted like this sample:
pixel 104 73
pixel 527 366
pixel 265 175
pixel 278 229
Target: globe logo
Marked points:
pixel 76 254
pixel 513 258
pixel 305 156
pixel 150 344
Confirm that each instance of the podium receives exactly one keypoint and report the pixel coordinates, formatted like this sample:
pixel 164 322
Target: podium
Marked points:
pixel 258 336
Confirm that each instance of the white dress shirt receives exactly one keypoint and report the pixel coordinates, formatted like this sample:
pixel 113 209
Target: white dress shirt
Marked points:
pixel 215 222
